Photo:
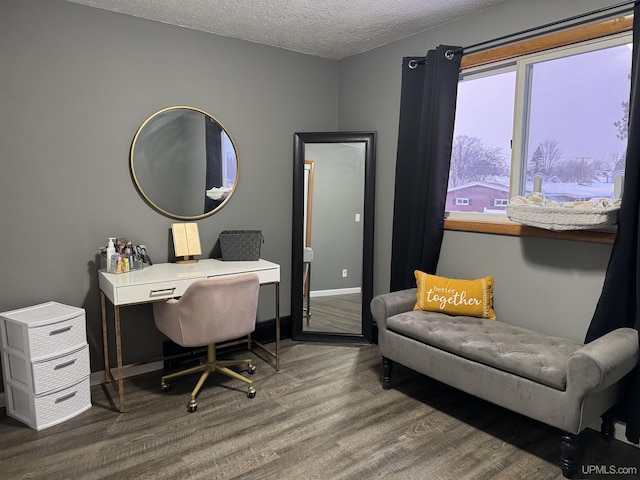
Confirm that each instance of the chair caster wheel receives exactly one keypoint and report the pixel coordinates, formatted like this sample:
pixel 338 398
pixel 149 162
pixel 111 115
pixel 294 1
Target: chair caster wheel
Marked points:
pixel 251 369
pixel 165 386
pixel 251 393
pixel 192 407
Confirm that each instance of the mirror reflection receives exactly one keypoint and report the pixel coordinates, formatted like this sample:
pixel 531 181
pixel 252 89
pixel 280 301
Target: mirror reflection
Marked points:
pixel 332 258
pixel 184 163
pixel 333 237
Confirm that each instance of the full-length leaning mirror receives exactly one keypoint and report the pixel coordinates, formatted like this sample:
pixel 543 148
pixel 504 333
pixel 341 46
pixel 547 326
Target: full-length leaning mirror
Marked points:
pixel 184 163
pixel 332 255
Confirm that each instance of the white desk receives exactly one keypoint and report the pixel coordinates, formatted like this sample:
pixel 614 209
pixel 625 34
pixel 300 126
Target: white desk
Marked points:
pixel 169 280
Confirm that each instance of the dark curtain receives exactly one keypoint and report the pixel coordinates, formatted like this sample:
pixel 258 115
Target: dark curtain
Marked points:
pixel 425 135
pixel 214 161
pixel 618 303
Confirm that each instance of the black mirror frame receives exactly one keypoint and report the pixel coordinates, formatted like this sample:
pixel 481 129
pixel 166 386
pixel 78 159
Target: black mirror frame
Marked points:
pixel 300 140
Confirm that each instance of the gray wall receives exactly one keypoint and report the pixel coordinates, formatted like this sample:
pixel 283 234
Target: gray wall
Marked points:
pixel 76 83
pixel 549 285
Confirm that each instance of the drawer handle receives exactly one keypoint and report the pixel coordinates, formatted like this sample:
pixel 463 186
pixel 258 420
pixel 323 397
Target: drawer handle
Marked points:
pixel 163 291
pixel 66 397
pixel 60 330
pixel 65 364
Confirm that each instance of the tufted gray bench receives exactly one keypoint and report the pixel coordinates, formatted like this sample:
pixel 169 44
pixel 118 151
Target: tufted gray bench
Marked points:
pixel 562 383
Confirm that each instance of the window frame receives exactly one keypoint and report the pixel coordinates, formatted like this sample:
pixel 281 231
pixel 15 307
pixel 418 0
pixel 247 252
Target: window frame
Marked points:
pixel 496 224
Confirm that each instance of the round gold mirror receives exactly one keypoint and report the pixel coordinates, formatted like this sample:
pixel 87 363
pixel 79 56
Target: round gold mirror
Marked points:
pixel 184 163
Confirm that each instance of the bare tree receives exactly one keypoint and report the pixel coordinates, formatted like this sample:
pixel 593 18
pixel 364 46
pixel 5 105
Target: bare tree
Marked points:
pixel 463 151
pixel 472 161
pixel 623 124
pixel 577 170
pixel 545 158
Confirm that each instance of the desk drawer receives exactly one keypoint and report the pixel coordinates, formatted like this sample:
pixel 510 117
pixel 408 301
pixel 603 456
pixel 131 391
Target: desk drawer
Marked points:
pixel 151 292
pixel 270 275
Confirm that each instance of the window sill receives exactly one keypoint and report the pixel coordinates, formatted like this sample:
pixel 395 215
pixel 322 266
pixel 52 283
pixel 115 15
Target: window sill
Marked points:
pixel 517 230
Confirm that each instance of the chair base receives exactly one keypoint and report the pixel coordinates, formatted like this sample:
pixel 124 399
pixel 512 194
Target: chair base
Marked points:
pixel 210 366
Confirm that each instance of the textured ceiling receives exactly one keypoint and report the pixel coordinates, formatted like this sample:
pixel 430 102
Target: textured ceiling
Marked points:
pixel 326 28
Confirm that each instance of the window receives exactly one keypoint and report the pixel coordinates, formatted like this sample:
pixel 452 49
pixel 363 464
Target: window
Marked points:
pixel 463 201
pixel 559 116
pixel 230 165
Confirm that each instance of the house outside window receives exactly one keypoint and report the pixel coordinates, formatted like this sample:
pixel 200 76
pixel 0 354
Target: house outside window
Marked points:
pixel 560 115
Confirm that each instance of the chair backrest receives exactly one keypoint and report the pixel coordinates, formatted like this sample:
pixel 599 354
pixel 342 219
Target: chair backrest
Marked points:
pixel 211 311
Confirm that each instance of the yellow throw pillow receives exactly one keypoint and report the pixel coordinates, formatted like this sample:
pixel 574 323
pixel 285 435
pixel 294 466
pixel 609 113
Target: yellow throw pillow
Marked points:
pixel 473 298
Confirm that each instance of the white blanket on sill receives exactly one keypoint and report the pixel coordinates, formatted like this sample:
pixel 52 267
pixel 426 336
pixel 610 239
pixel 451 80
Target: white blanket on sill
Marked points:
pixel 536 211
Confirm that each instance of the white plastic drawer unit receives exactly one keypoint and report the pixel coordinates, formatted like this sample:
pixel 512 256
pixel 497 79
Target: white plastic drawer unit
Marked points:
pixel 42 330
pixel 45 363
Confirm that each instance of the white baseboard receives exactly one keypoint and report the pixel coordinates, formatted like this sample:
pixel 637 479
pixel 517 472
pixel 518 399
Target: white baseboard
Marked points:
pixel 335 291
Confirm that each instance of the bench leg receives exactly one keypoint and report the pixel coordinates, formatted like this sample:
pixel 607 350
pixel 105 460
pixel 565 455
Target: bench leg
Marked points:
pixel 608 429
pixel 569 454
pixel 387 367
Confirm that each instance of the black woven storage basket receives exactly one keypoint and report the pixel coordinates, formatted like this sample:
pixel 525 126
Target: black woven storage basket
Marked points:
pixel 241 244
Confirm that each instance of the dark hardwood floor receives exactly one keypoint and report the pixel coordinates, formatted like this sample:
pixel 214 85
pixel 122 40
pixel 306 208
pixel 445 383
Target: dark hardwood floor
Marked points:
pixel 335 313
pixel 323 416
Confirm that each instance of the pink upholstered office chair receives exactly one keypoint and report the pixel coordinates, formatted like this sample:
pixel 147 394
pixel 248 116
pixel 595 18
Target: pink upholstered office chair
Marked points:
pixel 211 311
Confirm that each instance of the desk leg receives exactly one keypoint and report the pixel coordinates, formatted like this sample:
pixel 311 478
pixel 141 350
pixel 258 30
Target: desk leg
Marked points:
pixel 274 354
pixel 118 385
pixel 277 326
pixel 119 357
pixel 105 337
